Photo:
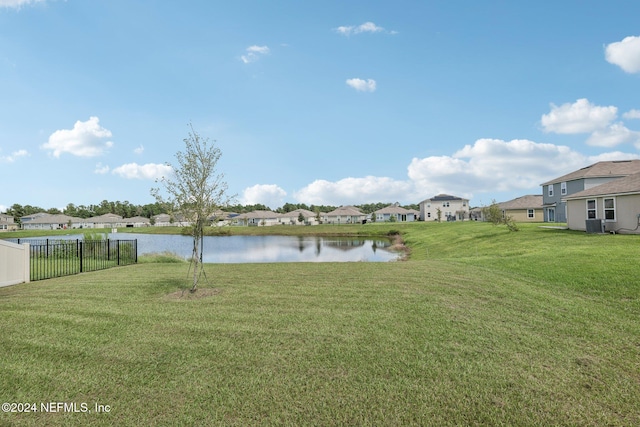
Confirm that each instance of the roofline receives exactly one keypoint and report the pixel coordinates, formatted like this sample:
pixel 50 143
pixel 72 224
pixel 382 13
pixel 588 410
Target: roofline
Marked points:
pixel 628 193
pixel 558 181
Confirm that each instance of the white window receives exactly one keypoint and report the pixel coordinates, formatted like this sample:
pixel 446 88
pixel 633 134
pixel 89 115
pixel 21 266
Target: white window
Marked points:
pixel 563 188
pixel 610 209
pixel 550 190
pixel 531 213
pixel 591 209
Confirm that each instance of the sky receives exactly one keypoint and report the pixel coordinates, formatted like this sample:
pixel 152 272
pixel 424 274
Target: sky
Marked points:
pixel 317 102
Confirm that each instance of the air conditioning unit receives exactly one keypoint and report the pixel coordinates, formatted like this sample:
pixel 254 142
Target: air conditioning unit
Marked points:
pixel 595 226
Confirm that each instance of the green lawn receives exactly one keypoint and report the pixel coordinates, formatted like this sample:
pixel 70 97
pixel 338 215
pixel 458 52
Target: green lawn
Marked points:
pixel 479 327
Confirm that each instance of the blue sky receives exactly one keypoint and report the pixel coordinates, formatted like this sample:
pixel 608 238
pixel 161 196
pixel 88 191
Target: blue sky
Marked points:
pixel 327 102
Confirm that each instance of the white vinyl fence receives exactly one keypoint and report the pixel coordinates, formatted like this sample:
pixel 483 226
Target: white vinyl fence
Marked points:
pixel 14 263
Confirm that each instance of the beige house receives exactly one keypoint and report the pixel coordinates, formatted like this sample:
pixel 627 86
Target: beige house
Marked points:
pixel 137 221
pixel 611 207
pixel 166 220
pixel 451 208
pixel 345 215
pixel 524 209
pixel 310 218
pixel 259 218
pixel 395 213
pixel 105 221
pixel 7 223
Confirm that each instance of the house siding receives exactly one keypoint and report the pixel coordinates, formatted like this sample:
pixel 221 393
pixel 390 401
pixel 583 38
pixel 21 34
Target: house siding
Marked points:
pixel 458 208
pixel 522 215
pixel 627 210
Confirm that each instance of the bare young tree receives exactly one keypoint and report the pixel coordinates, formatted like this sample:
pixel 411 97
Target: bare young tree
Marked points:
pixel 195 191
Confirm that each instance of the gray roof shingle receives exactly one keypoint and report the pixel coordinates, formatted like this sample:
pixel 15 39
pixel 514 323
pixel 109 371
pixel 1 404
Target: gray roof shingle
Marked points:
pixel 613 168
pixel 627 185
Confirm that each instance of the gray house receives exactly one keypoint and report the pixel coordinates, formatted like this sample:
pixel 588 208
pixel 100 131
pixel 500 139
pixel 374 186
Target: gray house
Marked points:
pixel 52 222
pixel 554 192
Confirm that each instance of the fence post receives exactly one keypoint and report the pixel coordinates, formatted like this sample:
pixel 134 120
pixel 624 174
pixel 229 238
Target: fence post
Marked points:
pixel 81 255
pixel 118 250
pixel 27 262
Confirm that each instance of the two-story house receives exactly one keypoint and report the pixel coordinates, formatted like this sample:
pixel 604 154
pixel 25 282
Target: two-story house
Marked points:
pixel 449 207
pixel 7 223
pixel 554 191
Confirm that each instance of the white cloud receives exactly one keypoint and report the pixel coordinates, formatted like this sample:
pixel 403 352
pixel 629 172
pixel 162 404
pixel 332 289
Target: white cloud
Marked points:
pixel 254 53
pixel 101 169
pixel 16 4
pixel 13 156
pixel 360 85
pixel 267 194
pixel 625 54
pixel 613 135
pixel 86 139
pixel 632 114
pixel 367 27
pixel 579 117
pixel 612 155
pixel 150 171
pixel 491 165
pixel 139 149
pixel 354 191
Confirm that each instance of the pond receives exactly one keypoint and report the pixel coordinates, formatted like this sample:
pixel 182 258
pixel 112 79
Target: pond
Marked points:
pixel 263 249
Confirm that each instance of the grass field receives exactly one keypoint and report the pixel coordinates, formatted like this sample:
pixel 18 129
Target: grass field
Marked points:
pixel 480 326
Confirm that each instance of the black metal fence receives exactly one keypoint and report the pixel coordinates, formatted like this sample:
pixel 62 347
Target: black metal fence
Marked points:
pixel 57 257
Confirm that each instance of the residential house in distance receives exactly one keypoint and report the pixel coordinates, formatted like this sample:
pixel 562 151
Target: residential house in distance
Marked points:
pixel 27 218
pixel 259 218
pixel 7 223
pixel 612 207
pixel 451 208
pixel 345 215
pixel 105 221
pixel 524 209
pixel 394 212
pixel 166 220
pixel 558 189
pixel 52 222
pixel 136 222
pixel 162 220
pixel 292 218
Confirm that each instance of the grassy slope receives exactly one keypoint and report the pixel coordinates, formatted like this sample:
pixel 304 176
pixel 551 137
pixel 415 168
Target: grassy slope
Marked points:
pixel 480 327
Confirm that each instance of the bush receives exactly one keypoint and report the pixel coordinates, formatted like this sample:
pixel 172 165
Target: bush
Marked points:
pixel 496 216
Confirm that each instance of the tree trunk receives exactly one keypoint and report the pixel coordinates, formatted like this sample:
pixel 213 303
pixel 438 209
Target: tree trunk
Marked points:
pixel 195 255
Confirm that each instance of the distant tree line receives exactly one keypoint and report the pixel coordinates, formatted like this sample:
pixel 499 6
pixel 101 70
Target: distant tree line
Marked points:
pixel 127 210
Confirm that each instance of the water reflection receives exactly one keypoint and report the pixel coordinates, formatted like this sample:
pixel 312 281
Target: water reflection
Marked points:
pixel 239 249
pixel 262 249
